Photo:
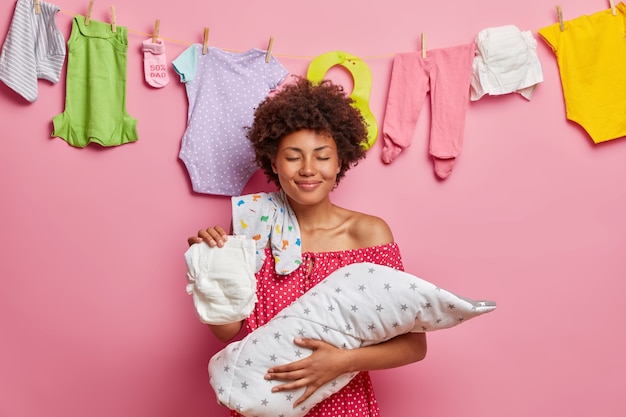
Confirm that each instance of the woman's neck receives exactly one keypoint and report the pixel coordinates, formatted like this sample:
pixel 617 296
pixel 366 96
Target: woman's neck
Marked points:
pixel 322 215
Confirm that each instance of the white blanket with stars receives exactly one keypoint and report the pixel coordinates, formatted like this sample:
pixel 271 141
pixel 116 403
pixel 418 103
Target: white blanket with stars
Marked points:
pixel 358 305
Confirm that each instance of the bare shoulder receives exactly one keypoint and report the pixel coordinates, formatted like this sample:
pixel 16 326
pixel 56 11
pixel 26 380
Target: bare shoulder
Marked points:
pixel 370 230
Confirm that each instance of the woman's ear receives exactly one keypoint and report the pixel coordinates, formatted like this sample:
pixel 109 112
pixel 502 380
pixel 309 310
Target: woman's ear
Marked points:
pixel 274 169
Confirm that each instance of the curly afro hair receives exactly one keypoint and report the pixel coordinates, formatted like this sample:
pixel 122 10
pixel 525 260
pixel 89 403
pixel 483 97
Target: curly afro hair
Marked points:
pixel 322 107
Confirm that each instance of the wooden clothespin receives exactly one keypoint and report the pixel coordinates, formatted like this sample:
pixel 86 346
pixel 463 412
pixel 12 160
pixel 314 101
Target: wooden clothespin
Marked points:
pixel 268 55
pixel 37 7
pixel 88 16
pixel 423 45
pixel 155 33
pixel 559 14
pixel 113 21
pixel 612 4
pixel 205 41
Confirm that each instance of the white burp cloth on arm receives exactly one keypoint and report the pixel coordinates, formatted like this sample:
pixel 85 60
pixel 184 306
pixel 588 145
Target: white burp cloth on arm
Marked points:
pixel 221 280
pixel 268 218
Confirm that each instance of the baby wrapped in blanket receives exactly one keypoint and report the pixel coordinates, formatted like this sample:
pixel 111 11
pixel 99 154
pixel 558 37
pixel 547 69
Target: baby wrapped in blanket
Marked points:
pixel 358 305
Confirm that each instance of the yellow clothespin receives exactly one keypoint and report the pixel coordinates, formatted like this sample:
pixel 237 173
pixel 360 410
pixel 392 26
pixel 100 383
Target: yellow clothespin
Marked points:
pixel 268 55
pixel 88 16
pixel 113 21
pixel 423 45
pixel 612 3
pixel 559 13
pixel 155 33
pixel 37 7
pixel 205 42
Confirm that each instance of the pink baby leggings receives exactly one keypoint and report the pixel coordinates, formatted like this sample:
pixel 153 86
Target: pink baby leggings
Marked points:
pixel 446 74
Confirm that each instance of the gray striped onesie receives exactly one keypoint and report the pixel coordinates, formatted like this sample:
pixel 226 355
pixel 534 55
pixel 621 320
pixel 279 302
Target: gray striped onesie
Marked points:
pixel 33 49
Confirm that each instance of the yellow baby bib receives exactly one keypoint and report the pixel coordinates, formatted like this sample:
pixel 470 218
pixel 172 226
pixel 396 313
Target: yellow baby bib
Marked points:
pixel 362 84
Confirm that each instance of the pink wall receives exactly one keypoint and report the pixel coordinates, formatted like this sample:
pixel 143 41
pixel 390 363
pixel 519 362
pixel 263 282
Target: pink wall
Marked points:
pixel 94 315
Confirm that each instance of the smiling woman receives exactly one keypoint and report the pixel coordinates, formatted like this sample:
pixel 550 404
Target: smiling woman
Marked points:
pixel 306 138
pixel 307 163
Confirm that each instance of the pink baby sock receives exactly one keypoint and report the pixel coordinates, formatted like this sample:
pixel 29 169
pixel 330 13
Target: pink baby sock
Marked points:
pixel 443 167
pixel 154 63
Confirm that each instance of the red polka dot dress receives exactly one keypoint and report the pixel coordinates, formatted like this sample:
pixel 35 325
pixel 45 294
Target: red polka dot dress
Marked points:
pixel 276 292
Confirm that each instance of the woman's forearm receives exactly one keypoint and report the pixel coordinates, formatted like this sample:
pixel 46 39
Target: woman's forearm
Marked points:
pixel 401 350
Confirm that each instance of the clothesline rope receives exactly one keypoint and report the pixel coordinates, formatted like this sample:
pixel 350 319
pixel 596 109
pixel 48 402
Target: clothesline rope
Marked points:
pixel 186 43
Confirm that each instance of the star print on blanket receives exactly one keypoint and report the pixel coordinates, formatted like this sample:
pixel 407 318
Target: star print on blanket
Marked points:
pixel 358 305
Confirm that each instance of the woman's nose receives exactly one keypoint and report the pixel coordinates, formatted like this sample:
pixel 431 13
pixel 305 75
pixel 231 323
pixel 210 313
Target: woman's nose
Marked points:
pixel 308 167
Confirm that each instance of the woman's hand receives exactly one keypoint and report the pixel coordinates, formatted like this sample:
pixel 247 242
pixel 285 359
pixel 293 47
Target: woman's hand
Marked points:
pixel 325 364
pixel 213 236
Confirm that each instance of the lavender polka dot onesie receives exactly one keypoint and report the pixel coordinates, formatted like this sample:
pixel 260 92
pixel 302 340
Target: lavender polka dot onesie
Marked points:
pixel 223 90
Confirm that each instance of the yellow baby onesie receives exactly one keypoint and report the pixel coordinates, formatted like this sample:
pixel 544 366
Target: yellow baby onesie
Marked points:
pixel 591 56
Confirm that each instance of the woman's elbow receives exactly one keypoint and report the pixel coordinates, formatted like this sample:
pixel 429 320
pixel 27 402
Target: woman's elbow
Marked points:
pixel 226 332
pixel 420 346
